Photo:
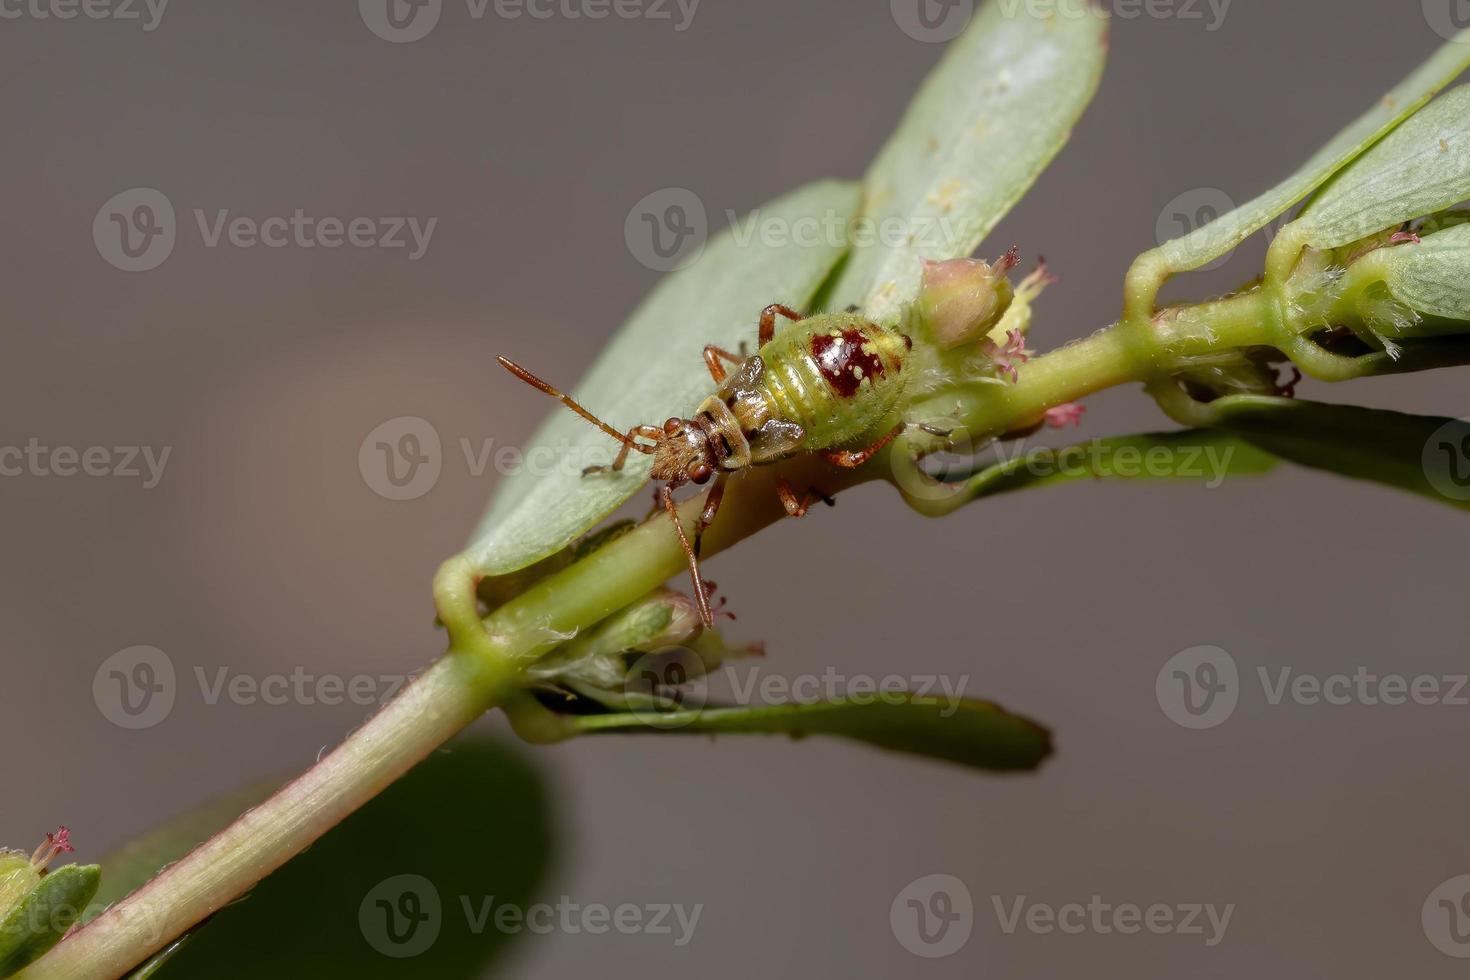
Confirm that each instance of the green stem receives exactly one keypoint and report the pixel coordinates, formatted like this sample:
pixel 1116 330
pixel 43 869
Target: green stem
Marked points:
pixel 482 667
pixel 456 690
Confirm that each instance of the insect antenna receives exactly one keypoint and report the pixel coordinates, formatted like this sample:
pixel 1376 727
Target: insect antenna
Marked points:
pixel 571 403
pixel 666 494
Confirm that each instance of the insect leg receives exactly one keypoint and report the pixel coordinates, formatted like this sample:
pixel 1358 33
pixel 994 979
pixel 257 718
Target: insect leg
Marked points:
pixel 852 459
pixel 700 596
pixel 798 508
pixel 646 431
pixel 711 508
pixel 768 320
pixel 712 358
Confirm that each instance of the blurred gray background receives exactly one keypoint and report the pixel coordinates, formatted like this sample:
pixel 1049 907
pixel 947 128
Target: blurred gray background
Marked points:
pixel 263 549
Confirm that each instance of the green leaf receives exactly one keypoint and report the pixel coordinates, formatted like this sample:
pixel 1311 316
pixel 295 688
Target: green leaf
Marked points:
pixel 45 914
pixel 1422 454
pixel 970 733
pixel 472 820
pixel 1422 167
pixel 1210 242
pixel 1433 277
pixel 1199 455
pixel 988 120
pixel 654 369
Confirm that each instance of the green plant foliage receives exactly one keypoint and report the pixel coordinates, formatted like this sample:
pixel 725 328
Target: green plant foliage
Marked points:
pixel 997 109
pixel 447 823
pixel 1390 448
pixel 43 916
pixel 976 734
pixel 654 369
pixel 1422 167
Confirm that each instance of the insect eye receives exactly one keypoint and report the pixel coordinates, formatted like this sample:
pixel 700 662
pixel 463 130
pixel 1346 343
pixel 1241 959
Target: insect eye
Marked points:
pixel 699 473
pixel 672 426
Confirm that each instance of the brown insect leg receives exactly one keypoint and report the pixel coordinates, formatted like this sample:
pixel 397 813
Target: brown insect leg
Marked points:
pixel 798 508
pixel 851 459
pixel 712 357
pixel 646 431
pixel 700 595
pixel 711 508
pixel 768 320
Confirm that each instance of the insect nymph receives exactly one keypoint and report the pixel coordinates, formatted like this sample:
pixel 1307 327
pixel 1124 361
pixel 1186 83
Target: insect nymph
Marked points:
pixel 821 387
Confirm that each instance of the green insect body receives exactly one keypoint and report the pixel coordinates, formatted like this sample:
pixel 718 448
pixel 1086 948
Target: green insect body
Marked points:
pixel 828 382
pixel 825 382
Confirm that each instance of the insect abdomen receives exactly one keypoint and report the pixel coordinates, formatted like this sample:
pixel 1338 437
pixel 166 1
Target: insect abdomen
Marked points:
pixel 836 375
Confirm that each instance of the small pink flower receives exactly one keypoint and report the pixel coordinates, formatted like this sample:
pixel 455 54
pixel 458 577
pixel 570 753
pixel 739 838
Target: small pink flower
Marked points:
pixel 1404 236
pixel 1010 357
pixel 1064 415
pixel 54 845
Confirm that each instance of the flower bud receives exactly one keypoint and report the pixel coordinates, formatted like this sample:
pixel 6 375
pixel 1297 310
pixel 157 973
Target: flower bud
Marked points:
pixel 964 299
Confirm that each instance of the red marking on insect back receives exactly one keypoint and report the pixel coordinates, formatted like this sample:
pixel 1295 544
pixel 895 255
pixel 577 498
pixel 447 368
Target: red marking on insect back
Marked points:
pixel 846 359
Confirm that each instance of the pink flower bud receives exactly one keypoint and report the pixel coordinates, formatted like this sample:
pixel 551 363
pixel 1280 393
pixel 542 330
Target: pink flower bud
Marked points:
pixel 963 299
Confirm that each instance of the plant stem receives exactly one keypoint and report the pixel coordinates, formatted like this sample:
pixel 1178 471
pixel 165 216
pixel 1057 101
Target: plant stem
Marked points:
pixel 482 666
pixel 456 690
